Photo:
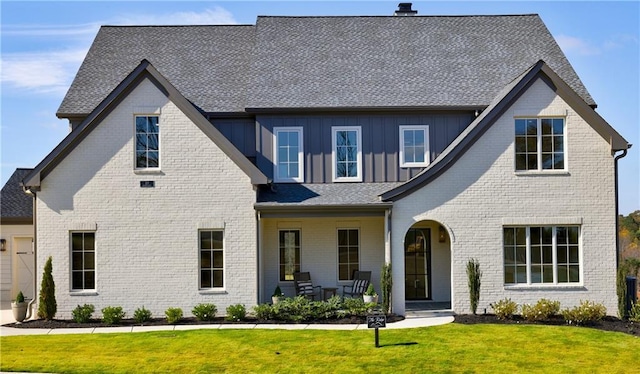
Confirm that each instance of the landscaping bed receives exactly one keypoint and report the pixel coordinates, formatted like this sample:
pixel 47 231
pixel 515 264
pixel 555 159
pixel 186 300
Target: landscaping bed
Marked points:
pixel 608 323
pixel 61 324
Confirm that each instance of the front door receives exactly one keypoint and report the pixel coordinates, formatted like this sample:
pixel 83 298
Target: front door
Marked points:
pixel 417 264
pixel 23 263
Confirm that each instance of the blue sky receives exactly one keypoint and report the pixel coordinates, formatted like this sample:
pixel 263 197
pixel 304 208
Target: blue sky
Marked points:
pixel 43 44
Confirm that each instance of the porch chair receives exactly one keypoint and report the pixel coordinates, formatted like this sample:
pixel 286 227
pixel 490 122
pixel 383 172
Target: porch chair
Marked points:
pixel 361 281
pixel 304 286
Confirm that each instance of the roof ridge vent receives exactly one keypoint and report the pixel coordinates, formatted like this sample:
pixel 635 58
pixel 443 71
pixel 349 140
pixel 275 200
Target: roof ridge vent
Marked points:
pixel 404 9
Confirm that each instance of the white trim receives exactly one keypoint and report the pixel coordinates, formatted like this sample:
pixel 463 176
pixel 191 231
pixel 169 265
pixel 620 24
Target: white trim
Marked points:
pixel 358 130
pixel 340 281
pixel 427 160
pixel 83 291
pixel 281 229
pixel 276 161
pixel 224 261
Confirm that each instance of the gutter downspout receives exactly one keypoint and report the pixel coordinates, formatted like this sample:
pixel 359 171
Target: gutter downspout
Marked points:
pixel 28 191
pixel 615 162
pixel 258 258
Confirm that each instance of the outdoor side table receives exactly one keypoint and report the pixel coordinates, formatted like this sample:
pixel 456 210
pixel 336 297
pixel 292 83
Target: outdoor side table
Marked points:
pixel 327 292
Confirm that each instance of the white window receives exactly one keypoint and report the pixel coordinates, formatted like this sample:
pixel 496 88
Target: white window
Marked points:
pixel 288 154
pixel 348 253
pixel 147 142
pixel 347 154
pixel 211 259
pixel 289 254
pixel 541 255
pixel 540 144
pixel 414 146
pixel 83 261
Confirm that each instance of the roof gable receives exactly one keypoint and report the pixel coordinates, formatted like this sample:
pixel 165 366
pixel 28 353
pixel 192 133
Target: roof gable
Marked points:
pixel 143 71
pixel 499 105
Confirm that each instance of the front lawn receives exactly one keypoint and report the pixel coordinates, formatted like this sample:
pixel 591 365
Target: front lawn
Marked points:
pixel 447 348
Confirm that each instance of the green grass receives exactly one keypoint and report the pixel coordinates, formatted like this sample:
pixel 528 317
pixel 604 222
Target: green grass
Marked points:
pixel 450 348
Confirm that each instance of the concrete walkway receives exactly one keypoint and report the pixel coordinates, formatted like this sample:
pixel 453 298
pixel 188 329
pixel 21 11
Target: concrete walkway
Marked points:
pixel 6 316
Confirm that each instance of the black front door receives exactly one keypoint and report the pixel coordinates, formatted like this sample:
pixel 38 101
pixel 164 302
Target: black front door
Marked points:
pixel 417 264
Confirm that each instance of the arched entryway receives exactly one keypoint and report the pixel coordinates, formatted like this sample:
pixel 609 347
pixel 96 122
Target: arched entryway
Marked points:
pixel 427 266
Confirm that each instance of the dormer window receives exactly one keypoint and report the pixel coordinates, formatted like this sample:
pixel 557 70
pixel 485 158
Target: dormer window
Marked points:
pixel 414 146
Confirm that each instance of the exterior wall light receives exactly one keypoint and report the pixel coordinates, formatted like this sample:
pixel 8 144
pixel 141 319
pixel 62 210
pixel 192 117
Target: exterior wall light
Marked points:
pixel 3 245
pixel 442 234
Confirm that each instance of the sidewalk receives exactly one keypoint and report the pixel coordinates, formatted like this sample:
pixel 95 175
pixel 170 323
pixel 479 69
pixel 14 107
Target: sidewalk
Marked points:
pixel 7 317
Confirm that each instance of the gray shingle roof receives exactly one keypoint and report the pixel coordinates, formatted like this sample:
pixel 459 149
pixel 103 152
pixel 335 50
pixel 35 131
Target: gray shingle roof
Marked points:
pixel 330 194
pixel 207 64
pixel 14 203
pixel 326 62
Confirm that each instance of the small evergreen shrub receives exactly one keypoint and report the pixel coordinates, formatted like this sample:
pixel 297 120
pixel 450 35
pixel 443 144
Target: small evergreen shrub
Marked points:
pixel 504 309
pixel 474 275
pixel 82 314
pixel 353 307
pixel 174 315
pixel 585 313
pixel 20 297
pixel 112 315
pixel 236 313
pixel 386 283
pixel 634 313
pixel 47 306
pixel 142 315
pixel 542 310
pixel 205 312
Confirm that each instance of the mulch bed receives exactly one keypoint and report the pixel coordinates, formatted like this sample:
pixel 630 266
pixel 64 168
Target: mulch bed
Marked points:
pixel 61 324
pixel 607 324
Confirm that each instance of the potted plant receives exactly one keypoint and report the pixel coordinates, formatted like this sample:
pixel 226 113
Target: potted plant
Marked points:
pixel 19 308
pixel 370 295
pixel 277 295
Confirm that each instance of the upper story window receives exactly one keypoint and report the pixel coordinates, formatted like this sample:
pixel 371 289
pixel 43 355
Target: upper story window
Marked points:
pixel 83 261
pixel 414 146
pixel 147 142
pixel 347 154
pixel 540 144
pixel 288 154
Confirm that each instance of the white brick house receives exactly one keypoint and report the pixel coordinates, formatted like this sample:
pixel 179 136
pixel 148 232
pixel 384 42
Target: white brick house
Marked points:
pixel 212 176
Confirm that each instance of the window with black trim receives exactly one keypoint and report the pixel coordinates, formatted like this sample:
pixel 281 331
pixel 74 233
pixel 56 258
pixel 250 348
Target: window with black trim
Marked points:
pixel 540 144
pixel 289 253
pixel 211 259
pixel 83 261
pixel 348 253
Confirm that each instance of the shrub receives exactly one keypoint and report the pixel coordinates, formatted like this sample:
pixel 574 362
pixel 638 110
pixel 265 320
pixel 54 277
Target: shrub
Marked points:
pixel 542 310
pixel 47 306
pixel 505 308
pixel 634 314
pixel 174 315
pixel 82 314
pixel 296 309
pixel 236 313
pixel 142 315
pixel 263 312
pixel 386 283
pixel 112 315
pixel 474 275
pixel 585 313
pixel 353 307
pixel 205 312
pixel 20 297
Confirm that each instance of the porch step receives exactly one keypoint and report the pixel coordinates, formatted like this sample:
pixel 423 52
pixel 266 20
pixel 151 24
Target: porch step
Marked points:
pixel 428 313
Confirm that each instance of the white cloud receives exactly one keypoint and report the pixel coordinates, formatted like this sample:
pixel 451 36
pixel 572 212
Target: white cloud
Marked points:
pixel 580 46
pixel 41 72
pixel 215 16
pixel 51 72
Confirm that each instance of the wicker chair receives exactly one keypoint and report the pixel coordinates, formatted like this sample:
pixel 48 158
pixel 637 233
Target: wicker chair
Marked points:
pixel 304 285
pixel 361 281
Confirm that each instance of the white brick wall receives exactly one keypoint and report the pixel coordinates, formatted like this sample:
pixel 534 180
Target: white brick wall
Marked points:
pixel 481 192
pixel 147 238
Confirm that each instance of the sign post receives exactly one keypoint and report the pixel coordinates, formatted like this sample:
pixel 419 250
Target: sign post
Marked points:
pixel 377 321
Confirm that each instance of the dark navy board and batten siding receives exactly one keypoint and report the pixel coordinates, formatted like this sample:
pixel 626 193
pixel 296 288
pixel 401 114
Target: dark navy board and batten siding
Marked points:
pixel 380 141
